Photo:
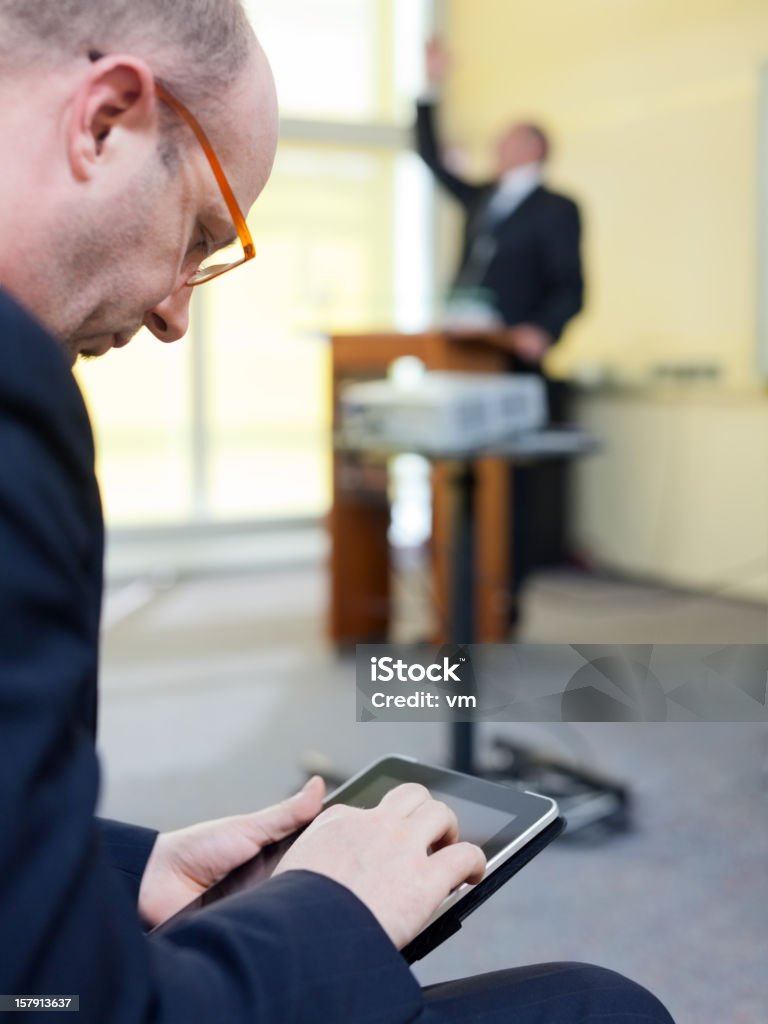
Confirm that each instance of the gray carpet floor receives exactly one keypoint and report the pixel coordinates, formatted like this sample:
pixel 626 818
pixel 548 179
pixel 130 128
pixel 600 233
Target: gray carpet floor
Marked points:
pixel 216 691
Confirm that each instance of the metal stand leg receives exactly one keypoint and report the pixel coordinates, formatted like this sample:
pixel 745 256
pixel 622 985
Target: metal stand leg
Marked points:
pixel 462 624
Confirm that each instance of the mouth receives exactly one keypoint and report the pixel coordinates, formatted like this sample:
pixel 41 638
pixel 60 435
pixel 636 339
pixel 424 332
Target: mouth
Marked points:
pixel 101 344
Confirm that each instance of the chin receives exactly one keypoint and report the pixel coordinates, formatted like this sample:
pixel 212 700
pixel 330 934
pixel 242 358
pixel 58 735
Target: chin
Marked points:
pixel 95 347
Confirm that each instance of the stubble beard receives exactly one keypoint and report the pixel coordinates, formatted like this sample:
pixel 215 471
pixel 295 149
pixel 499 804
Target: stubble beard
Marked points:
pixel 87 293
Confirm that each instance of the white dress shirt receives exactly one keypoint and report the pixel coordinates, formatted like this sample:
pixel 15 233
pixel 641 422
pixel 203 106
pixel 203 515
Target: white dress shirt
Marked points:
pixel 513 188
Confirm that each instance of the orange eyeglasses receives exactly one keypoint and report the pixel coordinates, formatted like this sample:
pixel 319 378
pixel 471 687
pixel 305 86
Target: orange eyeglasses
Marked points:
pixel 212 266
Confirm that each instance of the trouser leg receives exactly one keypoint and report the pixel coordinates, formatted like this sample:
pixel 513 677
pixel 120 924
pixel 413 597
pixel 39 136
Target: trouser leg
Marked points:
pixel 556 993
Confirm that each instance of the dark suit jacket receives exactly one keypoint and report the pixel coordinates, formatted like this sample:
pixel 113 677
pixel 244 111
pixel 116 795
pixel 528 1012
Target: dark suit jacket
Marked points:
pixel 535 272
pixel 301 949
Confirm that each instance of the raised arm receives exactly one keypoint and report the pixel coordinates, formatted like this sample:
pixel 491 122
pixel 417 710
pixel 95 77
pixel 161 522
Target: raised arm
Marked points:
pixel 427 143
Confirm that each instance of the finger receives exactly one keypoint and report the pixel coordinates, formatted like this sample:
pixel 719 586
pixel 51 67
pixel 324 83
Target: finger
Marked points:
pixel 437 824
pixel 458 863
pixel 273 823
pixel 404 799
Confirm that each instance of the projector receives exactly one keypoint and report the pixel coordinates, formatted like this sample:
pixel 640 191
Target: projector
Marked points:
pixel 441 411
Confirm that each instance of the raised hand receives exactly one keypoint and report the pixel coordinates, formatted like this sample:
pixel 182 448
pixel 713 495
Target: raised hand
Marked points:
pixel 436 62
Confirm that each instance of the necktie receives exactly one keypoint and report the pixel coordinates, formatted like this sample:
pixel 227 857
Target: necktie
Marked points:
pixel 482 246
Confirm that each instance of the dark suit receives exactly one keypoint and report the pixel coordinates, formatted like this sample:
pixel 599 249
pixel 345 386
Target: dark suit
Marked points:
pixel 535 271
pixel 301 949
pixel 534 275
pixel 68 919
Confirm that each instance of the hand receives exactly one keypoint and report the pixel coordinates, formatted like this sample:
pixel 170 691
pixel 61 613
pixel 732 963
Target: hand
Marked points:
pixel 436 62
pixel 401 859
pixel 528 342
pixel 186 862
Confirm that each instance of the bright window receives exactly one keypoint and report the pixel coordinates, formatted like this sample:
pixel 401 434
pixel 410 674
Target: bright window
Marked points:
pixel 232 422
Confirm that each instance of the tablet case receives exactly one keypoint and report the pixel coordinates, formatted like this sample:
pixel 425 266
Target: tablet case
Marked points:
pixel 450 922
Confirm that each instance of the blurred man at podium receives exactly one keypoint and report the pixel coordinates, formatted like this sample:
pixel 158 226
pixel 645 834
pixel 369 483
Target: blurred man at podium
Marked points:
pixel 520 256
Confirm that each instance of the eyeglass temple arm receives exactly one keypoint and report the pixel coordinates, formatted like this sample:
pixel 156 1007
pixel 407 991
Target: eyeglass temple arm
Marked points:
pixel 229 198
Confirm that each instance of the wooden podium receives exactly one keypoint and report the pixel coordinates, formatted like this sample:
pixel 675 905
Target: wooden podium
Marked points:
pixel 359 516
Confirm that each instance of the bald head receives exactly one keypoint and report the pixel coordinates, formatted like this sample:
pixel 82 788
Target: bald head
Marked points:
pixel 114 227
pixel 198 48
pixel 522 143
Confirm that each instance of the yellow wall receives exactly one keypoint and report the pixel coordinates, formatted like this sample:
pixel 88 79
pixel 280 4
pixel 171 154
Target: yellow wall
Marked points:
pixel 680 492
pixel 653 105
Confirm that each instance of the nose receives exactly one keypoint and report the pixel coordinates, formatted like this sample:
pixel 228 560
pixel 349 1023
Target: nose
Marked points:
pixel 169 319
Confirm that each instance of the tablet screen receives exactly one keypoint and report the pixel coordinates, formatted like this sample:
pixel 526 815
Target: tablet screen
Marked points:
pixel 478 823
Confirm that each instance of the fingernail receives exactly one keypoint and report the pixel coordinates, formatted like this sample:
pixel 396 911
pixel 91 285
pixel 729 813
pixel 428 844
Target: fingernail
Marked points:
pixel 309 783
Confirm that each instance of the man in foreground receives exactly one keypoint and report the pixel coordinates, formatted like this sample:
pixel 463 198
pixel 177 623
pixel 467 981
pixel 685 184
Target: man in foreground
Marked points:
pixel 114 201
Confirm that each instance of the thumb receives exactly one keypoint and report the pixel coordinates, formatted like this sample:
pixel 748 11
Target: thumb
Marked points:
pixel 310 796
pixel 278 821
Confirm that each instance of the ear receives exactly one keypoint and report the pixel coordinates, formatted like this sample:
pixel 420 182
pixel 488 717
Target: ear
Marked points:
pixel 114 103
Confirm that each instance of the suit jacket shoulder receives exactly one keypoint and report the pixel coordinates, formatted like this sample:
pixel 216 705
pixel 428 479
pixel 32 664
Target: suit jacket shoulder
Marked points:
pixel 51 542
pixel 554 204
pixel 35 377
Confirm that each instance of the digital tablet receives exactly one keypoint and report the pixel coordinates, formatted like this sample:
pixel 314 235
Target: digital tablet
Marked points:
pixel 510 825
